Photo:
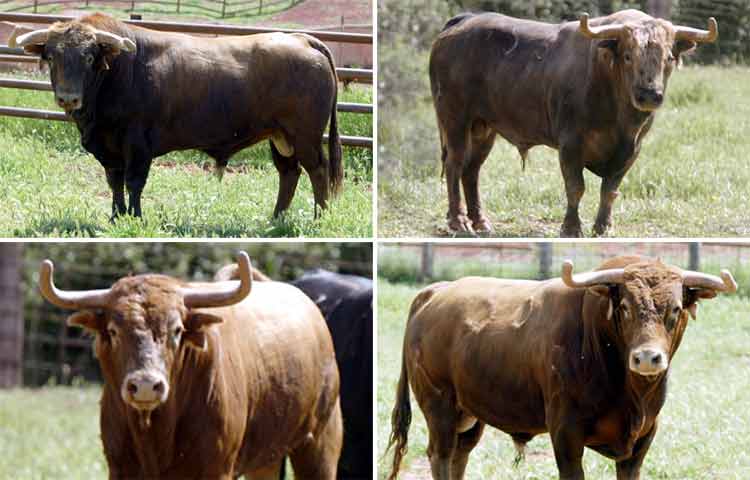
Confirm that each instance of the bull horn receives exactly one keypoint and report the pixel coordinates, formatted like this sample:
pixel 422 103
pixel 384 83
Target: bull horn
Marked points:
pixel 696 34
pixel 704 280
pixel 602 32
pixel 117 41
pixel 230 293
pixel 590 279
pixel 72 300
pixel 36 37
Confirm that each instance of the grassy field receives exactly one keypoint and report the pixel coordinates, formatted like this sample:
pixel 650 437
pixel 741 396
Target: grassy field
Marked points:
pixel 690 180
pixel 704 426
pixel 53 188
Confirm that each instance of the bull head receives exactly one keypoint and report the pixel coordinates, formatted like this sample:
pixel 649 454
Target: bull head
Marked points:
pixel 651 303
pixel 644 54
pixel 75 52
pixel 143 325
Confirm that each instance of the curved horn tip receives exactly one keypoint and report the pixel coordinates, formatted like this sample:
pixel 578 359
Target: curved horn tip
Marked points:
pixel 128 45
pixel 567 272
pixel 729 281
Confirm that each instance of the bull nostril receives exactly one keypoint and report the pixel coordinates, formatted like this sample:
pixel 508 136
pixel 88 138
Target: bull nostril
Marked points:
pixel 656 359
pixel 132 388
pixel 637 360
pixel 159 387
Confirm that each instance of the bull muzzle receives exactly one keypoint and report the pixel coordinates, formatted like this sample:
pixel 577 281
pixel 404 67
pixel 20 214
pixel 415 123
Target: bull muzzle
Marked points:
pixel 69 101
pixel 144 390
pixel 648 360
pixel 648 99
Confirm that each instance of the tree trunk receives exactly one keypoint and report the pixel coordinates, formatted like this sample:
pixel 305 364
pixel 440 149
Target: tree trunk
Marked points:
pixel 11 315
pixel 659 8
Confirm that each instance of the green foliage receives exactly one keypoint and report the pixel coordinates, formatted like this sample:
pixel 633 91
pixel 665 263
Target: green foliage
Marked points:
pixel 55 188
pixel 705 396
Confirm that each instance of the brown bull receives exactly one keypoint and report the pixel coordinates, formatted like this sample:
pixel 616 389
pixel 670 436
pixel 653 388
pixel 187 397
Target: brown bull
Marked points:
pixel 588 89
pixel 210 380
pixel 585 358
pixel 136 94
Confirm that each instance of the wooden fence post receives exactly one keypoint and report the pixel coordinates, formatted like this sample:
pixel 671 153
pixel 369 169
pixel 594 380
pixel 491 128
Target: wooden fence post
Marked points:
pixel 695 256
pixel 223 8
pixel 178 6
pixel 132 5
pixel 260 7
pixel 427 271
pixel 35 5
pixel 545 260
pixel 11 315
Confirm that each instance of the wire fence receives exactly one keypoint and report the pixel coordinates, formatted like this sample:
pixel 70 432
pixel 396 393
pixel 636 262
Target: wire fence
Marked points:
pixel 54 353
pixel 424 263
pixel 214 8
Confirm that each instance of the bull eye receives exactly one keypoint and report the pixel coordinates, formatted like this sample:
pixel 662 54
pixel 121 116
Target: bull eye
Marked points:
pixel 627 58
pixel 112 333
pixel 177 332
pixel 89 59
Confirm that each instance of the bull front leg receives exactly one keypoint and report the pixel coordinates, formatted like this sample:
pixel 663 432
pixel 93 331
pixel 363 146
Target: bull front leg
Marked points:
pixel 575 186
pixel 568 444
pixel 608 196
pixel 137 165
pixel 630 469
pixel 455 156
pixel 116 181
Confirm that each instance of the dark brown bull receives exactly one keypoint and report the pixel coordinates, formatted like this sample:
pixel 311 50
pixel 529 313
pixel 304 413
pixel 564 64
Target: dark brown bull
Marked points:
pixel 136 94
pixel 588 89
pixel 585 358
pixel 210 380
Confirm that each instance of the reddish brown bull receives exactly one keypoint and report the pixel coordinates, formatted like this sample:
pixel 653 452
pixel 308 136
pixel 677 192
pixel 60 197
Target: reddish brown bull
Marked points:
pixel 585 358
pixel 588 89
pixel 210 380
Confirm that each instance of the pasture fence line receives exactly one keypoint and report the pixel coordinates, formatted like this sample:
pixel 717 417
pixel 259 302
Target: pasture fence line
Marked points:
pixel 218 8
pixel 426 262
pixel 345 75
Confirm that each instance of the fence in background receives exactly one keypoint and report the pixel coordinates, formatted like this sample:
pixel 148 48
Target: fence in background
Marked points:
pixel 345 74
pixel 218 8
pixel 429 262
pixel 55 353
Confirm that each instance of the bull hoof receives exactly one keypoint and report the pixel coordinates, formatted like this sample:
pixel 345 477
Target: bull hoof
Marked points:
pixel 482 225
pixel 460 224
pixel 571 231
pixel 602 229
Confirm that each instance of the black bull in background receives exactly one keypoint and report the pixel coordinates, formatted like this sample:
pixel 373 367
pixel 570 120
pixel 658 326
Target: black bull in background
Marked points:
pixel 136 94
pixel 346 304
pixel 588 89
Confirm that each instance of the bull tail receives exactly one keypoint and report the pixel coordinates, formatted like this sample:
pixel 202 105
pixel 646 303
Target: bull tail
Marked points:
pixel 400 421
pixel 335 165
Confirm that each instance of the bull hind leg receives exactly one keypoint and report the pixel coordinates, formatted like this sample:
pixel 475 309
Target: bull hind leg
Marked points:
pixel 116 181
pixel 575 186
pixel 456 144
pixel 482 140
pixel 316 458
pixel 289 172
pixel 465 444
pixel 313 160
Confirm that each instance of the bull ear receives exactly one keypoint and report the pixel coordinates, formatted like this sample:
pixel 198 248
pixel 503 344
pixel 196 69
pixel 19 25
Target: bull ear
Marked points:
pixel 691 297
pixel 682 47
pixel 195 325
pixel 87 319
pixel 599 290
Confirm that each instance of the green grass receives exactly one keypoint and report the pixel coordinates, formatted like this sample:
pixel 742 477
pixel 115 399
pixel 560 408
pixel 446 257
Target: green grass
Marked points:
pixel 53 188
pixel 690 180
pixel 704 425
pixel 51 433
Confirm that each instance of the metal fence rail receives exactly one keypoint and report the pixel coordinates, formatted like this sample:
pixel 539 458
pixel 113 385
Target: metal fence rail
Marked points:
pixel 346 75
